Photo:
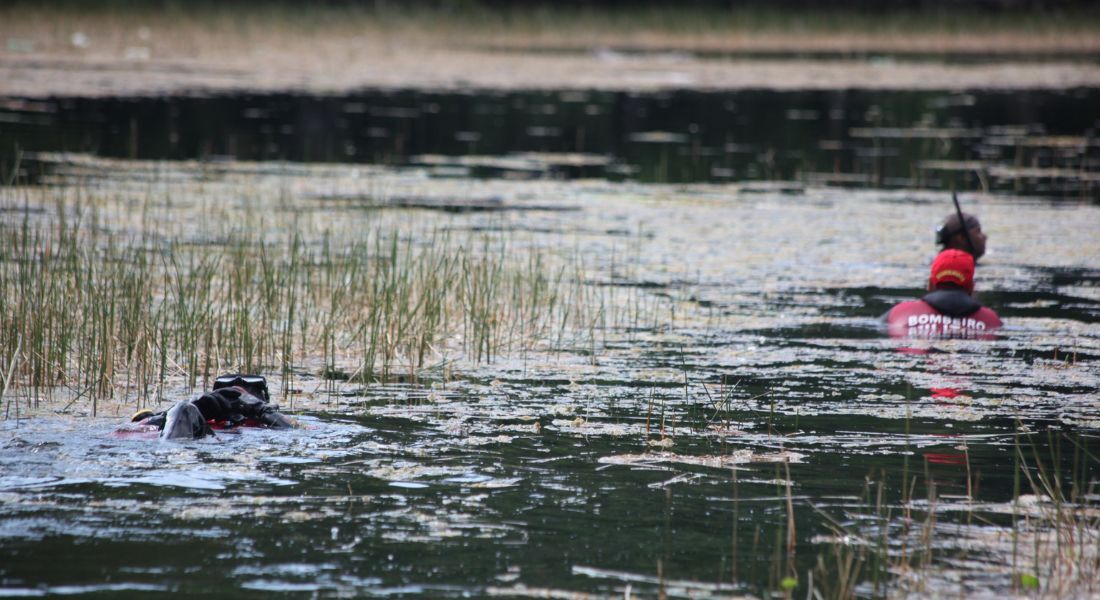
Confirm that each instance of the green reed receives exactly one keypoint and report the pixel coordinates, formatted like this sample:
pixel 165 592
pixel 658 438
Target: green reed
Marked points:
pixel 100 311
pixel 1050 545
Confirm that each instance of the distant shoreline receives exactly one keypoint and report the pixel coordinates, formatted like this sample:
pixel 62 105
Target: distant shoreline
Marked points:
pixel 54 52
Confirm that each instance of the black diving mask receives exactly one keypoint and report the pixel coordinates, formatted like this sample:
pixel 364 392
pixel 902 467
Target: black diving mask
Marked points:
pixel 253 384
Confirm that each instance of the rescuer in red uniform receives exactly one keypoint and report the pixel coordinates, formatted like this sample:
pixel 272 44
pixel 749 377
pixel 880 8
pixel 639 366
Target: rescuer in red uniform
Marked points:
pixel 949 310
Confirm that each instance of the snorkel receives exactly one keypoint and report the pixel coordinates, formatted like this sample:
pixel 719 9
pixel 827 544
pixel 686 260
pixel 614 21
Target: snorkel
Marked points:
pixel 963 224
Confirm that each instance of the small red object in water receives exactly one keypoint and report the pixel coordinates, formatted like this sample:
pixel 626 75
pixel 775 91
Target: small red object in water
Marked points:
pixel 942 458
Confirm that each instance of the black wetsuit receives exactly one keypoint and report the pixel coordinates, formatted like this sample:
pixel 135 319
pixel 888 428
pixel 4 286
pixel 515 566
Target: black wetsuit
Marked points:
pixel 224 408
pixel 953 302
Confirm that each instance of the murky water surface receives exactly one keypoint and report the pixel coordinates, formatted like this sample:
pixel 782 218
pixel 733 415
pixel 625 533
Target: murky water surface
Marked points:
pixel 1033 142
pixel 739 377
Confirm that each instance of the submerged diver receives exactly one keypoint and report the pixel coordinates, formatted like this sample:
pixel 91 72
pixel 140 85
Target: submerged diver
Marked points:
pixel 949 310
pixel 952 234
pixel 235 400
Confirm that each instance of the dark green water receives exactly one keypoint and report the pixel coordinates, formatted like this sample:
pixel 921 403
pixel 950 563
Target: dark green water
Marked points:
pixel 1026 142
pixel 646 456
pixel 414 497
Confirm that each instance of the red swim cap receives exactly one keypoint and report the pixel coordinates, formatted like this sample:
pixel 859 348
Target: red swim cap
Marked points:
pixel 953 266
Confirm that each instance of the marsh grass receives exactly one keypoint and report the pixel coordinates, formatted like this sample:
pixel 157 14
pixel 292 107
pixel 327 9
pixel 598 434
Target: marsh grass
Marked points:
pixel 1044 542
pixel 111 294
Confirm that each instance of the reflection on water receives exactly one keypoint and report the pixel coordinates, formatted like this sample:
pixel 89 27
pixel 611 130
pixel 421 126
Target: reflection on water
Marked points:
pixel 672 53
pixel 462 495
pixel 1029 142
pixel 649 456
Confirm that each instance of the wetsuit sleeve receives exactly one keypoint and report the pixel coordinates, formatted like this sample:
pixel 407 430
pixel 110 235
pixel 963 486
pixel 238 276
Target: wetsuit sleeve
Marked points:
pixel 264 413
pixel 220 405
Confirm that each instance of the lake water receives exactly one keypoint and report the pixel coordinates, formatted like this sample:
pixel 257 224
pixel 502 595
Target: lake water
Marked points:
pixel 666 451
pixel 1034 142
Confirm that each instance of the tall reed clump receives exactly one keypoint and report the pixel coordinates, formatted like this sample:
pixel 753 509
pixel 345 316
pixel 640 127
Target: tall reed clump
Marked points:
pixel 101 311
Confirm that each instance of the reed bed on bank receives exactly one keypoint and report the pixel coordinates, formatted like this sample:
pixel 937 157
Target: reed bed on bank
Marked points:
pixel 175 30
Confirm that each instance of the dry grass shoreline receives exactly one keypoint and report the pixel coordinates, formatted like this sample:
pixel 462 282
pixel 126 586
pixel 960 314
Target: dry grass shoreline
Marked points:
pixel 50 51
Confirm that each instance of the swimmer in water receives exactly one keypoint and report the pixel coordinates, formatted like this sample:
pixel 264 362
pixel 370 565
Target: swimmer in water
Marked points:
pixel 234 401
pixel 949 310
pixel 950 235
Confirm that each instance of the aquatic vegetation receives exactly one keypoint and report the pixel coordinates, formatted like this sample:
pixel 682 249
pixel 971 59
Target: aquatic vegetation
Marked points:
pixel 114 290
pixel 1043 539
